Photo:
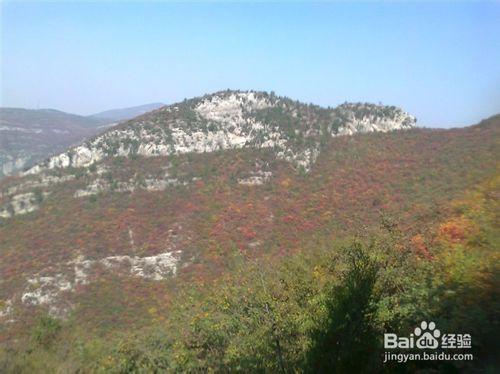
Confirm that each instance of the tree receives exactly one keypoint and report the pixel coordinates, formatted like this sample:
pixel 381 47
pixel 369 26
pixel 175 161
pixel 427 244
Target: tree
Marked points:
pixel 345 341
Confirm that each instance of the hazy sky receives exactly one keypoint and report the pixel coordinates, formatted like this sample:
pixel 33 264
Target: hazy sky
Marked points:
pixel 439 61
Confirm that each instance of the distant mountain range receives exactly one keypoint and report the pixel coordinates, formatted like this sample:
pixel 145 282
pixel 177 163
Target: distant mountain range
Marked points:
pixel 115 115
pixel 28 136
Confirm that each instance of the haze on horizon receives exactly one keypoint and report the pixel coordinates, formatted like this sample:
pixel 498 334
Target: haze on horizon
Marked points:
pixel 438 61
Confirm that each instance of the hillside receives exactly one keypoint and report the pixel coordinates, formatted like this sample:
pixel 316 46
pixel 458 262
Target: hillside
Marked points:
pixel 29 136
pixel 109 234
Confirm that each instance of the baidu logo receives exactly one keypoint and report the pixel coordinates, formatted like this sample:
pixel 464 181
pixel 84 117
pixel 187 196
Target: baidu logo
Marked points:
pixel 427 336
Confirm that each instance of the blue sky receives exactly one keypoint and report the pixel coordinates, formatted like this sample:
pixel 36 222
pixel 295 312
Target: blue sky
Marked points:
pixel 439 61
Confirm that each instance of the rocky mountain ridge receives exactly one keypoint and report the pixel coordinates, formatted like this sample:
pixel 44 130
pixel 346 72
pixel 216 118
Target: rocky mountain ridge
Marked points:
pixel 229 120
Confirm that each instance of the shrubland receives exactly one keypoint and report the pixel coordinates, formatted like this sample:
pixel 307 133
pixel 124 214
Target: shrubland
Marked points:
pixel 324 309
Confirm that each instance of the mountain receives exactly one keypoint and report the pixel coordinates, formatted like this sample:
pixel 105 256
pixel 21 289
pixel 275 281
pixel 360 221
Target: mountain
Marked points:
pixel 231 120
pixel 116 115
pixel 214 227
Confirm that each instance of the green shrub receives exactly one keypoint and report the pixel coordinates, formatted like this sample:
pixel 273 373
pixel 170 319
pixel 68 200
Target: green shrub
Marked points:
pixel 45 331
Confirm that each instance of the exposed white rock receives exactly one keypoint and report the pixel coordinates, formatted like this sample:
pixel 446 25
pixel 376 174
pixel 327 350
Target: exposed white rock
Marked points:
pixel 155 267
pixel 371 118
pixel 101 186
pixel 303 158
pixel 42 181
pixel 81 267
pixel 101 169
pixel 20 204
pixel 257 178
pixel 228 110
pixel 48 289
pixel 97 186
pixel 161 184
pixel 6 310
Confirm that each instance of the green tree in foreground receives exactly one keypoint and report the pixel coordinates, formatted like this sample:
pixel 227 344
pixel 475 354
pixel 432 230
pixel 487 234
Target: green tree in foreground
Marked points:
pixel 346 340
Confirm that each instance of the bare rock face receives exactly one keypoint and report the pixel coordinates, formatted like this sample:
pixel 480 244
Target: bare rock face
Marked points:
pixel 370 118
pixel 233 119
pixel 49 289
